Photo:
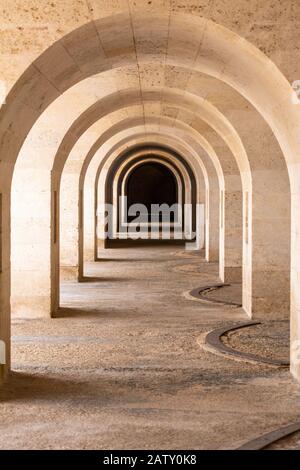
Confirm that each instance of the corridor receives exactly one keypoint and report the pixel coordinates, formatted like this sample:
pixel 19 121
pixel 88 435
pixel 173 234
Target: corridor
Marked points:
pixel 121 366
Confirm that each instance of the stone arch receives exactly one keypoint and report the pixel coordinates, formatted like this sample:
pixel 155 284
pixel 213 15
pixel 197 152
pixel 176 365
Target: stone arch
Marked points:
pixel 231 59
pixel 121 174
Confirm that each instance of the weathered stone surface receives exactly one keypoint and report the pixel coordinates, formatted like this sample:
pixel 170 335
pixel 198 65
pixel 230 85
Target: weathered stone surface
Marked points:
pixel 82 81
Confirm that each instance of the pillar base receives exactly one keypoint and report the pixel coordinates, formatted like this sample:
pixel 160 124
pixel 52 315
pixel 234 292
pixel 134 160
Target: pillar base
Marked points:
pixel 31 307
pixel 101 243
pixel 271 295
pixel 295 371
pixel 233 274
pixel 212 256
pixel 3 373
pixel 68 273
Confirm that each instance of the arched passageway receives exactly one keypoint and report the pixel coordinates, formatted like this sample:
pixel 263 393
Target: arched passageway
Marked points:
pixel 152 103
pixel 179 209
pixel 151 184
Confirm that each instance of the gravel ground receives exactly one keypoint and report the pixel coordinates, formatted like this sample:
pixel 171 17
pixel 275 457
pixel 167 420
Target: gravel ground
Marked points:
pixel 121 366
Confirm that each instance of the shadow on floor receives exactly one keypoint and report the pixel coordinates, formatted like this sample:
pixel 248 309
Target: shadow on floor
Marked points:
pixel 106 386
pixel 22 386
pixel 67 312
pixel 103 279
pixel 133 260
pixel 128 243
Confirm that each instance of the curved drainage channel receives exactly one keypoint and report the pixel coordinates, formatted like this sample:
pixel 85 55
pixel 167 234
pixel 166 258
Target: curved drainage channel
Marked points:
pixel 214 343
pixel 261 442
pixel 199 293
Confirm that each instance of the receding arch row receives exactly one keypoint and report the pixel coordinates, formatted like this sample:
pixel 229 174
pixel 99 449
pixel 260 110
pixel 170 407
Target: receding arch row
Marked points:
pixel 249 250
pixel 120 171
pixel 129 141
pixel 151 97
pixel 164 185
pixel 257 284
pixel 224 73
pixel 100 142
pixel 123 139
pixel 53 174
pixel 271 178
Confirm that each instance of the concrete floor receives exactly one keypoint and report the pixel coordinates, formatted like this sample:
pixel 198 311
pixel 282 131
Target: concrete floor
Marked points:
pixel 121 367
